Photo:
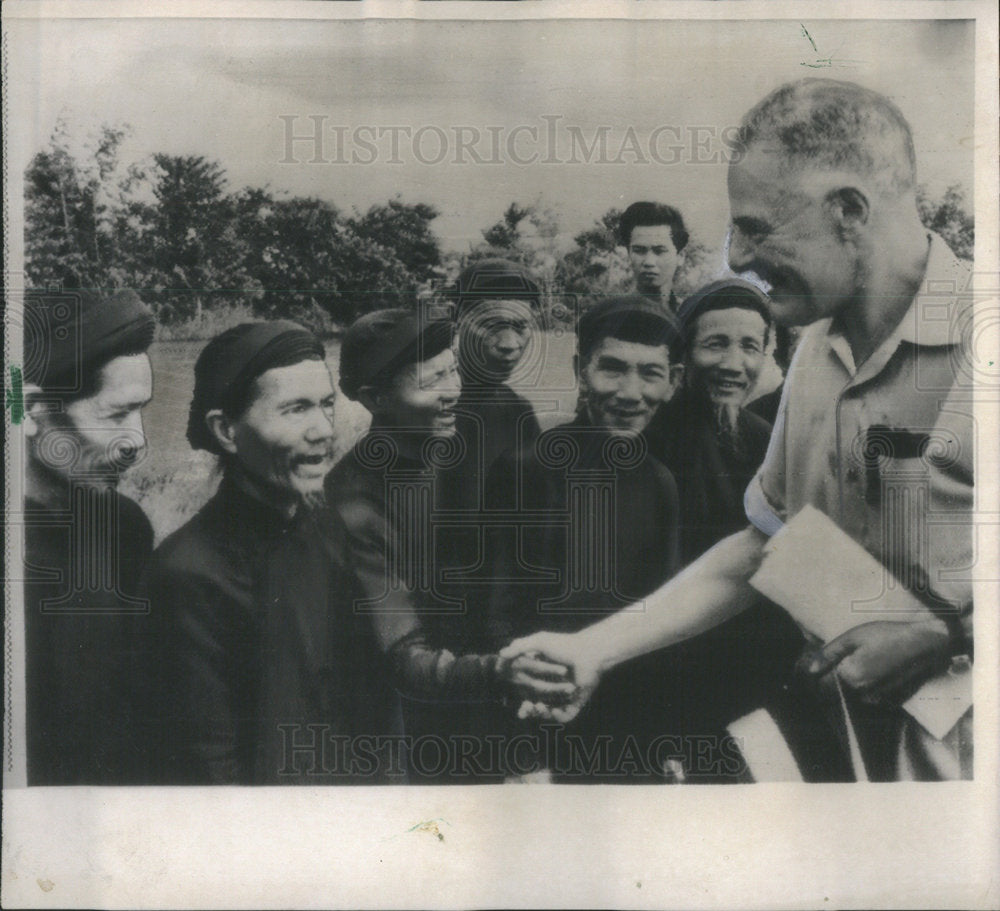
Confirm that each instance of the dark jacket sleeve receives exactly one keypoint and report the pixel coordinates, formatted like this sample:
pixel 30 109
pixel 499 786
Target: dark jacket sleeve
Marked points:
pixel 671 520
pixel 421 670
pixel 206 680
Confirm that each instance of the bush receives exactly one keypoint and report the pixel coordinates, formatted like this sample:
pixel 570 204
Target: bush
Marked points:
pixel 206 324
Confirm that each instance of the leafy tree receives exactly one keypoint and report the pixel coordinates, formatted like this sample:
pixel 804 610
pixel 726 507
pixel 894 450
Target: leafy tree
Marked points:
pixel 502 238
pixel 69 226
pixel 405 230
pixel 949 216
pixel 597 265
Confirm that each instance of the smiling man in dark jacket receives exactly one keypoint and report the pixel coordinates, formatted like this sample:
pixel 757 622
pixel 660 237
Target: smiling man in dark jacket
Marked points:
pixel 595 526
pixel 270 673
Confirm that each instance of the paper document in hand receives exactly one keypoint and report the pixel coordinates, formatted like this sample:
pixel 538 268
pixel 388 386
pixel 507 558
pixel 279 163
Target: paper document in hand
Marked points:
pixel 829 584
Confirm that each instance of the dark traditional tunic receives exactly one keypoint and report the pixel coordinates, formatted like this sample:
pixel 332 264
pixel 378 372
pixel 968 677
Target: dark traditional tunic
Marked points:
pixel 711 478
pixel 745 662
pixel 405 546
pixel 492 419
pixel 766 406
pixel 594 531
pixel 86 632
pixel 271 673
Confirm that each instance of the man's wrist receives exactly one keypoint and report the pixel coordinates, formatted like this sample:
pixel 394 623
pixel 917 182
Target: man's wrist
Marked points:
pixel 595 644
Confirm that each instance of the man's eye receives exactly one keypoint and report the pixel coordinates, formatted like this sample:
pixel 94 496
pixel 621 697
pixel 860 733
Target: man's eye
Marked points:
pixel 659 251
pixel 652 376
pixel 752 347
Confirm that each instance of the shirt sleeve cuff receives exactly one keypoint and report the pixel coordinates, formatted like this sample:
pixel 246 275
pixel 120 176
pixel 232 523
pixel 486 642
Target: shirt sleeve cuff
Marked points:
pixel 759 510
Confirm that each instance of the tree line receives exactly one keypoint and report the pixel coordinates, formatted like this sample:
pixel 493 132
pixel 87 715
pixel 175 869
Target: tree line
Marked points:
pixel 173 228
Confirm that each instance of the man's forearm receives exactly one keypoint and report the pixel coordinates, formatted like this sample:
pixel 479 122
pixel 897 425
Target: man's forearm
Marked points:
pixel 709 591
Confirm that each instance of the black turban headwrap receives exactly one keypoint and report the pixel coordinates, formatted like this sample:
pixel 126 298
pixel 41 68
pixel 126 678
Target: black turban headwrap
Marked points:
pixel 493 279
pixel 722 294
pixel 230 362
pixel 68 334
pixel 631 317
pixel 379 344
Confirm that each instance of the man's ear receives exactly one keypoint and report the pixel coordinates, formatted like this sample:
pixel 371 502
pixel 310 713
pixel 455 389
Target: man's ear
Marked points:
pixel 222 428
pixel 34 408
pixel 676 374
pixel 371 398
pixel 849 207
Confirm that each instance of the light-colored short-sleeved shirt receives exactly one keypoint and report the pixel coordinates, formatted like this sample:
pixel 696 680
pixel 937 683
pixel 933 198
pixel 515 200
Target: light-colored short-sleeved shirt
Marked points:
pixel 885 449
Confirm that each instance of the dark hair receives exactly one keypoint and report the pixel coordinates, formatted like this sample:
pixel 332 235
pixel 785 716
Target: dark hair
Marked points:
pixel 834 125
pixel 90 380
pixel 628 318
pixel 647 214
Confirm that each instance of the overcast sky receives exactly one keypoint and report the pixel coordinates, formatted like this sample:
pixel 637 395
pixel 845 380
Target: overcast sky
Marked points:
pixel 658 89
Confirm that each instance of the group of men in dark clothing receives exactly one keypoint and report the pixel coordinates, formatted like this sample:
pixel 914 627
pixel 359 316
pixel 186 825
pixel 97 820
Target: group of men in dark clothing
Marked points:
pixel 308 604
pixel 346 623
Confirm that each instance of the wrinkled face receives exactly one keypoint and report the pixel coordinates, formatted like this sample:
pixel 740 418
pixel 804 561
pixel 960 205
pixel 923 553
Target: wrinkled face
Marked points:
pixel 494 336
pixel 623 383
pixel 96 438
pixel 422 396
pixel 285 436
pixel 654 258
pixel 726 355
pixel 783 232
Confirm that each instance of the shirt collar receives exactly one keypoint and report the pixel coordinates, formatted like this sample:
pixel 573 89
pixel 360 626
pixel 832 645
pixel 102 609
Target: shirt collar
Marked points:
pixel 931 320
pixel 943 295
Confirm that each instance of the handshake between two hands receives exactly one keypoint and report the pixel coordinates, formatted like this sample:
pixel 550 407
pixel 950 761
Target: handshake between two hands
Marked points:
pixel 550 673
pixel 555 674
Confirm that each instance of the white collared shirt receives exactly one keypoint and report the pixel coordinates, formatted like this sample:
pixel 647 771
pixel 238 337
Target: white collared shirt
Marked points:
pixel 886 449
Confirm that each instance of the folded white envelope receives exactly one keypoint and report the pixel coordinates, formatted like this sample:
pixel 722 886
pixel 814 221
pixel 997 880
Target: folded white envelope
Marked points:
pixel 829 584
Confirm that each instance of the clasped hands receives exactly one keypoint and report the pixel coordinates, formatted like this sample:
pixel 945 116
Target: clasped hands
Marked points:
pixel 884 662
pixel 551 673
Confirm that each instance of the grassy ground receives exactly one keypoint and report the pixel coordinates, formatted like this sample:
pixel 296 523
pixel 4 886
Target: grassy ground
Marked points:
pixel 172 482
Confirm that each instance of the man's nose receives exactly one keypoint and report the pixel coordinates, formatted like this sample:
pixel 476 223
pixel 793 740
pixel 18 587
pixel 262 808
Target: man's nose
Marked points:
pixel 630 388
pixel 649 258
pixel 732 359
pixel 320 427
pixel 451 389
pixel 508 340
pixel 740 252
pixel 136 431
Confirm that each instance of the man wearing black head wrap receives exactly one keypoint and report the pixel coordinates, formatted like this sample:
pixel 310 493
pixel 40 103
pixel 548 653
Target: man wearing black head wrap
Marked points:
pixel 87 378
pixel 496 317
pixel 391 493
pixel 608 533
pixel 268 663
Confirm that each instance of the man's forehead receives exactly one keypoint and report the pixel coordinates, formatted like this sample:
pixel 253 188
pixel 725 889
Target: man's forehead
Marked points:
pixel 730 320
pixel 124 377
pixel 443 360
pixel 635 352
pixel 308 379
pixel 500 307
pixel 767 175
pixel 652 234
